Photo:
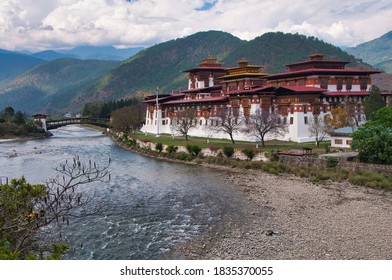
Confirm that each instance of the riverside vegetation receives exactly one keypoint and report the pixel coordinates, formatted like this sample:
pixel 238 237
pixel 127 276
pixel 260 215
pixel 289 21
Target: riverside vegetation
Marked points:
pixel 224 157
pixel 17 125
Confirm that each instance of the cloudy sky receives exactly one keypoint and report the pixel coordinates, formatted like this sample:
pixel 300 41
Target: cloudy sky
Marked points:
pixel 53 24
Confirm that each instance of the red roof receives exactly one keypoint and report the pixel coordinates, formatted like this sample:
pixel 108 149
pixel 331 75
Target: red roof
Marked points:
pixel 300 89
pixel 252 90
pixel 346 93
pixel 312 71
pixel 352 93
pixel 220 68
pixel 168 97
pixel 201 100
pixel 205 89
pixel 319 61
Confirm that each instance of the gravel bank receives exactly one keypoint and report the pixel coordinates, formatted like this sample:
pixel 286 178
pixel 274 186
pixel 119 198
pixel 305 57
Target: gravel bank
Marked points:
pixel 289 217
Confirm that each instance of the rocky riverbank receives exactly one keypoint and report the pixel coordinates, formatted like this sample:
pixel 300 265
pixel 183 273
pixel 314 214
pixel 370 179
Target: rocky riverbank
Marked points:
pixel 32 136
pixel 288 217
pixel 291 218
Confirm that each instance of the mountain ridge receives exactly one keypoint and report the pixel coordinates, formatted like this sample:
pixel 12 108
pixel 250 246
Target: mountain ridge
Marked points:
pixel 172 57
pixel 161 67
pixel 377 52
pixel 53 85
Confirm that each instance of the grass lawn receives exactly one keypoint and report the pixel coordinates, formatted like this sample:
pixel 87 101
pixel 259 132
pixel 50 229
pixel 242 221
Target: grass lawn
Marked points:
pixel 167 139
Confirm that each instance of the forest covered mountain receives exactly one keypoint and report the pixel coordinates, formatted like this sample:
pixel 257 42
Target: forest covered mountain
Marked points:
pixel 52 86
pixel 13 64
pixel 160 66
pixel 377 52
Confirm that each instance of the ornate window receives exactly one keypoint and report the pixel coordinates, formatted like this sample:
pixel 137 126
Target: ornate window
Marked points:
pixel 363 84
pixel 324 83
pixel 339 84
pixel 349 84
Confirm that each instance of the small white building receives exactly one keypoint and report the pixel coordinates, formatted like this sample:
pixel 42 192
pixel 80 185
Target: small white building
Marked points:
pixel 342 137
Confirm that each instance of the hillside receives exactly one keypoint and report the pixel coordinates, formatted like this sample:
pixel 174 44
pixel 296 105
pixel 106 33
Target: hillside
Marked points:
pixel 375 52
pixel 275 50
pixel 162 65
pixel 13 64
pixel 51 86
pixel 385 66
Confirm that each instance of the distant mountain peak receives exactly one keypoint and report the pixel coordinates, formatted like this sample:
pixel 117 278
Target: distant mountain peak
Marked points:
pixel 374 52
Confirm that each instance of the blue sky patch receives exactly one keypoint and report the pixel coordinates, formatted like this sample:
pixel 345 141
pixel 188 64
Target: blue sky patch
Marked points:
pixel 207 5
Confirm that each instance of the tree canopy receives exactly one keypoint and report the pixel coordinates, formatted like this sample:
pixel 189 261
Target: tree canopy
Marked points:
pixel 373 103
pixel 32 215
pixel 373 140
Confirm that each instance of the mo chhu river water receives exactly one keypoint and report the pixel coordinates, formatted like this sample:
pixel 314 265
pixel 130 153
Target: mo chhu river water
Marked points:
pixel 152 207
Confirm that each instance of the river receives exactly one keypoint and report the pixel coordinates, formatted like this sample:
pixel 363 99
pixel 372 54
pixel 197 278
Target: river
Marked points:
pixel 153 206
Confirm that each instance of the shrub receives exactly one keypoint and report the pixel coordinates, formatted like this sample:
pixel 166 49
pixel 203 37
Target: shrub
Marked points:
pixel 249 153
pixel 274 156
pixel 256 165
pixel 198 161
pixel 159 147
pixel 131 142
pixel 228 151
pixel 183 156
pixel 321 176
pixel 193 150
pixel 332 162
pixel 247 165
pixel 171 149
pixel 341 174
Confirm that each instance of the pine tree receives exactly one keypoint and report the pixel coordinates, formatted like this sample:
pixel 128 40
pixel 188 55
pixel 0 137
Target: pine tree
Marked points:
pixel 373 103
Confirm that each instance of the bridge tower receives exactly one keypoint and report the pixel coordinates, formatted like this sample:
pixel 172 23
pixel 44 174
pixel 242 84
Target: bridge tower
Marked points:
pixel 42 118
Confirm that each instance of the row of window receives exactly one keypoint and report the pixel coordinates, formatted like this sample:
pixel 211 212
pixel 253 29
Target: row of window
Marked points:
pixel 324 81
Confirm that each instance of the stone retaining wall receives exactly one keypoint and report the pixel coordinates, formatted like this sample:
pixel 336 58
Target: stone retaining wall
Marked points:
pixel 349 165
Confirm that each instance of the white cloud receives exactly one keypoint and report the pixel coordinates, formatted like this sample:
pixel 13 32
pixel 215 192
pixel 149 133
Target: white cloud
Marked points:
pixel 42 24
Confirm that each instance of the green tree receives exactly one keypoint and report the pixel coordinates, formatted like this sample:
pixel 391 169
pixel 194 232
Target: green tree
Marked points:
pixel 373 102
pixel 32 216
pixel 9 111
pixel 92 109
pixel 19 118
pixel 384 116
pixel 373 142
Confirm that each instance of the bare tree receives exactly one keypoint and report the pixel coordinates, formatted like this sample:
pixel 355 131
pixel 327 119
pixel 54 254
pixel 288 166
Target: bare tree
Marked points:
pixel 184 121
pixel 32 216
pixel 129 118
pixel 319 128
pixel 262 122
pixel 229 122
